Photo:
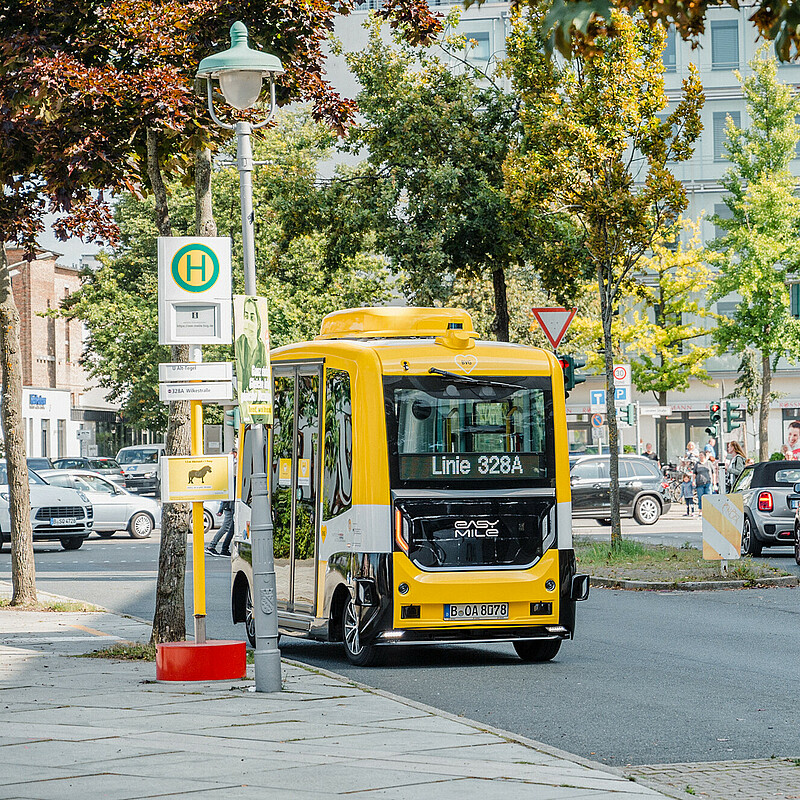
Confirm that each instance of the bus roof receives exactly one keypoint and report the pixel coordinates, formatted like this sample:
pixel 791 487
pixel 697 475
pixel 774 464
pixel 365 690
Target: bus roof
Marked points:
pixel 412 340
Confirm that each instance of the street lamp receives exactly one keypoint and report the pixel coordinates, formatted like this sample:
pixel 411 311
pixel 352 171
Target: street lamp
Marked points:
pixel 240 71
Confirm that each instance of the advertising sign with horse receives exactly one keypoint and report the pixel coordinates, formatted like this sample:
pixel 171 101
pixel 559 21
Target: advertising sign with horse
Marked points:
pixel 193 479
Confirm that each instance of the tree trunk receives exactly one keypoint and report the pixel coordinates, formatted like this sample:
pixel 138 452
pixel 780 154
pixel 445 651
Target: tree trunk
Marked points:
pixel 501 322
pixel 607 313
pixel 661 447
pixel 763 411
pixel 169 620
pixel 204 211
pixel 23 571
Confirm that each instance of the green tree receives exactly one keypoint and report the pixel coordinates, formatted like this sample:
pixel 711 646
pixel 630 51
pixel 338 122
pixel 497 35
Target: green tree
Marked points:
pixel 594 144
pixel 659 332
pixel 290 269
pixel 435 133
pixel 760 246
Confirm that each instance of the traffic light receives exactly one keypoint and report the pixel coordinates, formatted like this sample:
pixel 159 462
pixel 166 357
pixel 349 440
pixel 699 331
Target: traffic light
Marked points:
pixel 570 364
pixel 630 414
pixel 714 410
pixel 734 416
pixel 232 417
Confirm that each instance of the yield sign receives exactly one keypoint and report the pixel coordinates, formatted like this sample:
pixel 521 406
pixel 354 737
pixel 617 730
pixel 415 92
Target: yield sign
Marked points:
pixel 554 322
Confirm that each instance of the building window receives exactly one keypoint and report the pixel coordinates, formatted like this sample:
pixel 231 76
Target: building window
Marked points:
pixel 45 438
pixel 670 52
pixel 794 300
pixel 62 438
pixel 720 122
pixel 723 212
pixel 478 46
pixel 725 44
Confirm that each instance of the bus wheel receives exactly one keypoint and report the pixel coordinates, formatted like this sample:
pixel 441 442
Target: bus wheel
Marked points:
pixel 538 649
pixel 249 619
pixel 362 655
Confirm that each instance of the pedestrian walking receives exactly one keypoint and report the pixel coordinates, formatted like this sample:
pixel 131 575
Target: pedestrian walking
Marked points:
pixel 225 532
pixel 687 491
pixel 711 447
pixel 702 480
pixel 737 459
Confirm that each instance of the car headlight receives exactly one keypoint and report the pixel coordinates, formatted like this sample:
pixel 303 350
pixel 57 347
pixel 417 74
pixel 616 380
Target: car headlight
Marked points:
pixel 149 475
pixel 83 497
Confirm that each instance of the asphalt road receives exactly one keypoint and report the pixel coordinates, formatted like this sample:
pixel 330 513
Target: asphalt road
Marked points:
pixel 650 678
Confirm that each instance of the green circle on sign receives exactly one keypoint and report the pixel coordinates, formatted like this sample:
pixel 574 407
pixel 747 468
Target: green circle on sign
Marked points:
pixel 195 267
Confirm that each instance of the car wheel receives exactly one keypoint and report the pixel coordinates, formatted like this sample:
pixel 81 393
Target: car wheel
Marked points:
pixel 796 547
pixel 362 655
pixel 71 543
pixel 208 521
pixel 538 650
pixel 249 619
pixel 604 522
pixel 647 510
pixel 750 545
pixel 140 526
pixel 105 534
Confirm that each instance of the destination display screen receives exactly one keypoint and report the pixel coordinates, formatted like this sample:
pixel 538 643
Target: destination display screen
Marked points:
pixel 471 466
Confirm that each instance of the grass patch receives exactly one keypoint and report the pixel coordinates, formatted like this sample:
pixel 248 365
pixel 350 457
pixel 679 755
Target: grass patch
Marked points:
pixel 55 605
pixel 633 560
pixel 125 651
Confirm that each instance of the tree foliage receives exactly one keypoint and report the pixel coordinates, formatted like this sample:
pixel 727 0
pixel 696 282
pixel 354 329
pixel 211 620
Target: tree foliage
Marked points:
pixel 290 269
pixel 594 145
pixel 760 246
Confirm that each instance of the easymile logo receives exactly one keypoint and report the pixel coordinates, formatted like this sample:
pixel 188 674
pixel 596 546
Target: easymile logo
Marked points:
pixel 476 528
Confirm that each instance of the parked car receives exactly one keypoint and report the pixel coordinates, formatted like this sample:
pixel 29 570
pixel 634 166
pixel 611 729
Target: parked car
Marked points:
pixel 140 467
pixel 57 513
pixel 769 513
pixel 101 465
pixel 115 509
pixel 212 518
pixel 39 463
pixel 643 492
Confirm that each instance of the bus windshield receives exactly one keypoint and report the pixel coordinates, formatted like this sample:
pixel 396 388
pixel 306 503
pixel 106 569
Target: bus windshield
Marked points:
pixel 446 431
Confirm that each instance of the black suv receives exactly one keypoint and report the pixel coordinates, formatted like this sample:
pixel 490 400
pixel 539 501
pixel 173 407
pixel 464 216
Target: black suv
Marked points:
pixel 643 492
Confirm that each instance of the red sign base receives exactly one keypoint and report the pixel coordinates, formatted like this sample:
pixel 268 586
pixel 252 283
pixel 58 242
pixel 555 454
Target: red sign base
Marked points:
pixel 216 660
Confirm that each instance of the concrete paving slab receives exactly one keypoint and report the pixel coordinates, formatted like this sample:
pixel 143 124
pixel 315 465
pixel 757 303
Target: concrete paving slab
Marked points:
pixel 124 736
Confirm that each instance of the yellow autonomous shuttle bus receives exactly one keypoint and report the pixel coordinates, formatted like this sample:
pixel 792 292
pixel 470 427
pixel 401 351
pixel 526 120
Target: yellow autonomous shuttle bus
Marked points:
pixel 420 489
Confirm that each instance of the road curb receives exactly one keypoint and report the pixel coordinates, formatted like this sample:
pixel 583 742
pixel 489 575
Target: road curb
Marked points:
pixel 691 586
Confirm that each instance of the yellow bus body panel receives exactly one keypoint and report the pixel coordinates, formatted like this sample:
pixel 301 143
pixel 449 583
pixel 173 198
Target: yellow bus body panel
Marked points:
pixel 432 590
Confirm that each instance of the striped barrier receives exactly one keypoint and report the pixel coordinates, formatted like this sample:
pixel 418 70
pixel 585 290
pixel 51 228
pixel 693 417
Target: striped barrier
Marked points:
pixel 723 517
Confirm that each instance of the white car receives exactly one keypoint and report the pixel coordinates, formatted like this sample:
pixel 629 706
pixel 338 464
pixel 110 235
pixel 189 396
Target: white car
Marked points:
pixel 57 513
pixel 115 509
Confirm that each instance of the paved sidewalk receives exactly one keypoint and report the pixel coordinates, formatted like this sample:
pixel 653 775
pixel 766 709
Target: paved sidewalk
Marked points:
pixel 79 727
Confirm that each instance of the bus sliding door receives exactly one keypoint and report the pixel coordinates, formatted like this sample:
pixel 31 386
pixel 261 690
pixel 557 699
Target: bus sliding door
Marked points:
pixel 296 484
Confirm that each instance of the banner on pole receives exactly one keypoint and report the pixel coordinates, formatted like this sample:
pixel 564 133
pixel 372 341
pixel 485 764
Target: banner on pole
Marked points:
pixel 251 352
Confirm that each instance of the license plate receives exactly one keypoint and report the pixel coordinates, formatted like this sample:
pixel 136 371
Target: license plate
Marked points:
pixel 794 502
pixel 59 521
pixel 476 611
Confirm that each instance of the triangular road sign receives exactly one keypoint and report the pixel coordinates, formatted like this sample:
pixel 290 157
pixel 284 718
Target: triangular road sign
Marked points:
pixel 554 322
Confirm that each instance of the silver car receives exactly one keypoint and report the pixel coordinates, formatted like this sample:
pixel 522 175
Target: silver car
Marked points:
pixel 60 513
pixel 115 509
pixel 769 498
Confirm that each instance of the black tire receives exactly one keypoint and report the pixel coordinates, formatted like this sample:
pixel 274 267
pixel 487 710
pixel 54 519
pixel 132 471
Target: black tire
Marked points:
pixel 249 619
pixel 71 543
pixel 140 526
pixel 538 650
pixel 750 545
pixel 105 534
pixel 604 522
pixel 208 520
pixel 796 547
pixel 362 655
pixel 647 510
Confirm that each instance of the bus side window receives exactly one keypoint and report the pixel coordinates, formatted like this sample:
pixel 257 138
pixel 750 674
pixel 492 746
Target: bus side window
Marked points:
pixel 337 492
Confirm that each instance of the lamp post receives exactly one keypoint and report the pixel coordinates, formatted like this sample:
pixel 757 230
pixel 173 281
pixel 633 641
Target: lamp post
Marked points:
pixel 239 71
